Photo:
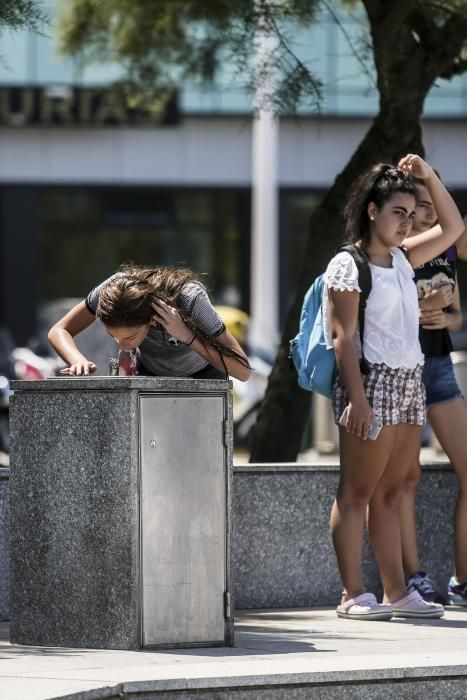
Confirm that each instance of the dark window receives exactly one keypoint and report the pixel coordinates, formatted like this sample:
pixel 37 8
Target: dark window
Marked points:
pixel 87 233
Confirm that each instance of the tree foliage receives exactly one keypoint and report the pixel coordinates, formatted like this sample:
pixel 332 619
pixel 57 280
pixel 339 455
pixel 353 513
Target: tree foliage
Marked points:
pixel 413 43
pixel 22 14
pixel 163 42
pixel 17 15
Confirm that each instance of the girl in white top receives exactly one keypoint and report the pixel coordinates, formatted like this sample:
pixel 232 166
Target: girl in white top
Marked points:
pixel 386 389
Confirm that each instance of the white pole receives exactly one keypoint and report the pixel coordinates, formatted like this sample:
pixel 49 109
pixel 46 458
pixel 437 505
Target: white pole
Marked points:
pixel 264 326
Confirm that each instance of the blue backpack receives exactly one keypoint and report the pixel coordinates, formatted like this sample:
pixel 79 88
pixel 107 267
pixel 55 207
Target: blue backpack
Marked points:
pixel 315 363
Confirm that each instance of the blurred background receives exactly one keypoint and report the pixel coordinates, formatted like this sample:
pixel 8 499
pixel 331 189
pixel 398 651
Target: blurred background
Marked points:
pixel 86 188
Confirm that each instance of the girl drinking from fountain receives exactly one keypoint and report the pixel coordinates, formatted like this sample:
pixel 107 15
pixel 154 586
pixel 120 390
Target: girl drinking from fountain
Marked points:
pixel 163 317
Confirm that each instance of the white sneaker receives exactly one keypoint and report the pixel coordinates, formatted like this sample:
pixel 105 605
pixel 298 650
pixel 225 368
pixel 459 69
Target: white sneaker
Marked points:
pixel 364 607
pixel 413 605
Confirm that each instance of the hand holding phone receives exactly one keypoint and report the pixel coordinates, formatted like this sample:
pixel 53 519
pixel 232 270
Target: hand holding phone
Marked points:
pixel 374 429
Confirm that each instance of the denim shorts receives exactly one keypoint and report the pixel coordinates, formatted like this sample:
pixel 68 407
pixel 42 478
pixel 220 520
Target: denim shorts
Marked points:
pixel 439 380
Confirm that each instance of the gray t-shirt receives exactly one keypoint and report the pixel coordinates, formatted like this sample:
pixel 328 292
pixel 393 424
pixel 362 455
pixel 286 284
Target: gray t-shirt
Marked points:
pixel 163 355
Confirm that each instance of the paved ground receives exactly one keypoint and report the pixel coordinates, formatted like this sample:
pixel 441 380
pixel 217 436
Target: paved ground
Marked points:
pixel 269 645
pixel 273 644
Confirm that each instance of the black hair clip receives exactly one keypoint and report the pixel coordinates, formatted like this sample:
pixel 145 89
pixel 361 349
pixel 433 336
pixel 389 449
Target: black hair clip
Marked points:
pixel 390 172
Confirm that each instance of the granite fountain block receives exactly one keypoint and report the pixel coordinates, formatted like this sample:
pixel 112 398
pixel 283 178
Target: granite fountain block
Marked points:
pixel 76 508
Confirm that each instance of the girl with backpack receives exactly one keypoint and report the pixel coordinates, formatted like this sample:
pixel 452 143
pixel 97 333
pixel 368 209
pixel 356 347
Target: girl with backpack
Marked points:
pixel 380 388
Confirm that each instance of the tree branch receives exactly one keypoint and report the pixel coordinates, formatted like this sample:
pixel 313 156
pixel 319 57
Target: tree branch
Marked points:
pixel 441 7
pixel 298 80
pixel 355 53
pixel 452 38
pixel 456 24
pixel 458 68
pixel 388 17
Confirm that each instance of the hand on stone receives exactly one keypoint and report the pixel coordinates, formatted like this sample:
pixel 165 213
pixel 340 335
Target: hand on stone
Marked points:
pixel 78 369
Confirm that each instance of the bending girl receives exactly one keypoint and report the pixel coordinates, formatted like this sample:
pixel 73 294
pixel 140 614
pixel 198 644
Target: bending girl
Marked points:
pixel 163 317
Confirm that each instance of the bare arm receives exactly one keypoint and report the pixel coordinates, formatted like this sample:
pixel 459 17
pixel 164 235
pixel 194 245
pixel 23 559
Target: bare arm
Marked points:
pixel 61 339
pixel 169 317
pixel 208 352
pixel 344 319
pixel 437 318
pixel 426 246
pixel 461 243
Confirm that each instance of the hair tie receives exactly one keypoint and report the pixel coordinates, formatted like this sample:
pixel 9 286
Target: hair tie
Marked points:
pixel 391 173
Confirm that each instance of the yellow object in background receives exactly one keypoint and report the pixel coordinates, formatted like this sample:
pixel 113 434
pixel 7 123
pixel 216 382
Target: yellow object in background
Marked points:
pixel 236 322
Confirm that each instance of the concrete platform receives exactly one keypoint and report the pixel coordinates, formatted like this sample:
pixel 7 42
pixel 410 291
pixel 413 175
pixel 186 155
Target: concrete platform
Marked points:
pixel 291 654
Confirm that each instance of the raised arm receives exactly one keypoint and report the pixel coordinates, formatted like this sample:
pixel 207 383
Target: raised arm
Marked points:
pixel 426 246
pixel 236 368
pixel 170 318
pixel 461 243
pixel 61 337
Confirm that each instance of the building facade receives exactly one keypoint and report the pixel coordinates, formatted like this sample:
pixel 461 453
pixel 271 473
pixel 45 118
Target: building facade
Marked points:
pixel 85 185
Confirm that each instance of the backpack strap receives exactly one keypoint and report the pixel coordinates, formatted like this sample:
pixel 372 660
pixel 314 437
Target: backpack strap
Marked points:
pixel 365 283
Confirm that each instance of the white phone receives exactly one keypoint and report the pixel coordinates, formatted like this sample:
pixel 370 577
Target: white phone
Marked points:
pixel 375 426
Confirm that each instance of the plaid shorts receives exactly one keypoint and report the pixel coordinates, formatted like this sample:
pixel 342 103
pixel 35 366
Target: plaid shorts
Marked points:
pixel 395 395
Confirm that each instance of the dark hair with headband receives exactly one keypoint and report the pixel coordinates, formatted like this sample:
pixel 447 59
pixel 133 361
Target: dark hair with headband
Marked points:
pixel 377 184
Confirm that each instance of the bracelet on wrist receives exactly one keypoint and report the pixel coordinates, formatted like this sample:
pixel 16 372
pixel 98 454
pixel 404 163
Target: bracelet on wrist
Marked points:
pixel 191 340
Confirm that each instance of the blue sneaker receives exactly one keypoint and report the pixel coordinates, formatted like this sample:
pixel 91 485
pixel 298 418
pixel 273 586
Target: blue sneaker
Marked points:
pixel 420 582
pixel 457 592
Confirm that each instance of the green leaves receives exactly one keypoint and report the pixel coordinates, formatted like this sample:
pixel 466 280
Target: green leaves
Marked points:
pixel 160 43
pixel 22 14
pixel 163 42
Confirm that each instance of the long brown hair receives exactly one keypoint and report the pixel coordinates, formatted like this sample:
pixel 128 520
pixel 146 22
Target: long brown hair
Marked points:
pixel 125 300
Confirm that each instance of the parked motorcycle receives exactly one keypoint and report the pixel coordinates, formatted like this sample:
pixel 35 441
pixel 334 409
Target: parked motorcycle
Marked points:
pixel 4 411
pixel 16 363
pixel 28 365
pixel 7 372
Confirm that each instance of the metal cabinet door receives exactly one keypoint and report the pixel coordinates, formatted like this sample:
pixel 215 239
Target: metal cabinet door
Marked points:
pixel 183 518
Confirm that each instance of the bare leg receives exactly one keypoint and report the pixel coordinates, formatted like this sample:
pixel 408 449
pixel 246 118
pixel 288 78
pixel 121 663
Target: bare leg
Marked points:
pixel 383 513
pixel 407 518
pixel 449 422
pixel 362 464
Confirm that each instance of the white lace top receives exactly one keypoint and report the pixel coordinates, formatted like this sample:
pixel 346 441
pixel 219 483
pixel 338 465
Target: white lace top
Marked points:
pixel 391 315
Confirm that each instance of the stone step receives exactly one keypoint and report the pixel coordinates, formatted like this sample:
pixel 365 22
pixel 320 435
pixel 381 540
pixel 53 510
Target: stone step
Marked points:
pixel 403 683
